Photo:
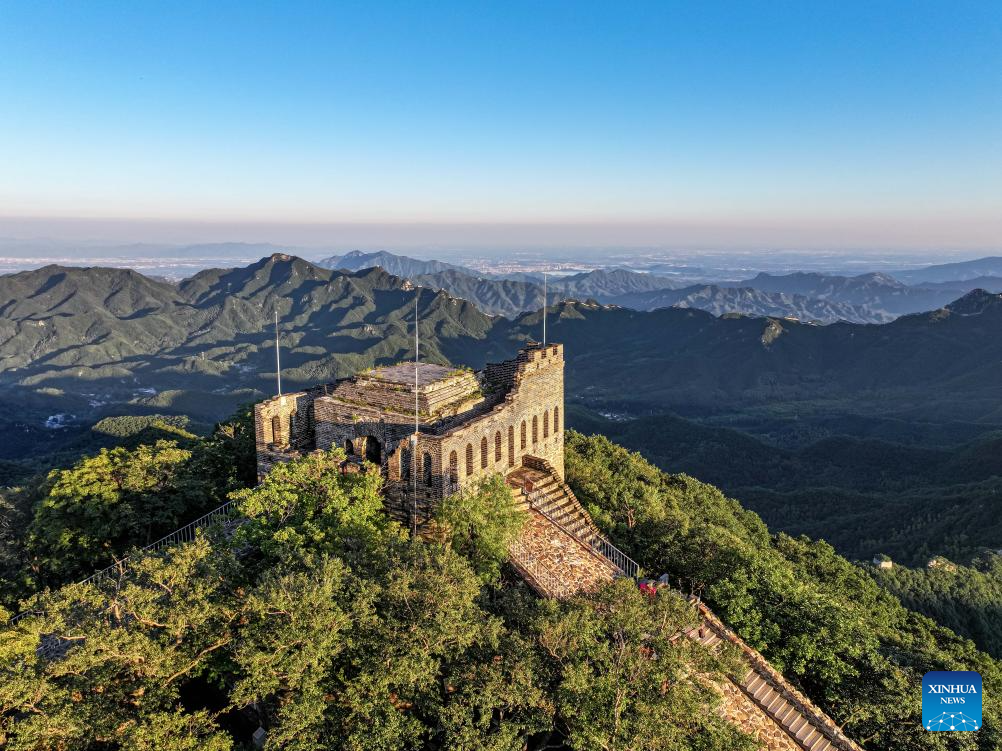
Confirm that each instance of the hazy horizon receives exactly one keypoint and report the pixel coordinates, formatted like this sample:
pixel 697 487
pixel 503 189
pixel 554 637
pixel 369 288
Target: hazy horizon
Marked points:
pixel 426 238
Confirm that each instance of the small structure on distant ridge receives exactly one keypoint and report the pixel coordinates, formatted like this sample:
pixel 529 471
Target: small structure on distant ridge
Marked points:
pixel 883 561
pixel 938 561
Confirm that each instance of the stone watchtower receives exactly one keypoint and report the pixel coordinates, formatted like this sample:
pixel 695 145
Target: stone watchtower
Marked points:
pixel 434 430
pixel 468 425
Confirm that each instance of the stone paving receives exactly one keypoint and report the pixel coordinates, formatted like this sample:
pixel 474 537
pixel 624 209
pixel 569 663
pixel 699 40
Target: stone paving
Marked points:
pixel 556 563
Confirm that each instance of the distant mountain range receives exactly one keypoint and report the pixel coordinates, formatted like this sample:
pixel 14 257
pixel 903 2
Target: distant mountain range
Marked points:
pixel 810 297
pixel 392 263
pixel 990 266
pixel 77 340
pixel 878 293
pixel 942 365
pixel 721 300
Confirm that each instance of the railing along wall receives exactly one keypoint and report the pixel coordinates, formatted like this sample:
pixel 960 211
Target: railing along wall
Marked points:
pixel 187 533
pixel 821 721
pixel 599 545
pixel 552 585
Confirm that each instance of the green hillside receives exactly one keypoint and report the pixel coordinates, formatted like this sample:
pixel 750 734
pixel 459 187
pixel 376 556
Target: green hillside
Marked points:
pixel 864 496
pixel 321 622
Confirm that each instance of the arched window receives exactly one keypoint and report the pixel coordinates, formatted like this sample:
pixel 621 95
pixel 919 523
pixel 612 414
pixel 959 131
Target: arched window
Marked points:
pixel 453 467
pixel 276 429
pixel 348 448
pixel 469 458
pixel 556 420
pixel 497 447
pixel 523 435
pixel 535 430
pixel 546 423
pixel 426 462
pixel 511 445
pixel 483 452
pixel 405 463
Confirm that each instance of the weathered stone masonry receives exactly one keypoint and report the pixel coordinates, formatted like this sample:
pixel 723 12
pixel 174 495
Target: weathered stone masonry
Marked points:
pixel 469 425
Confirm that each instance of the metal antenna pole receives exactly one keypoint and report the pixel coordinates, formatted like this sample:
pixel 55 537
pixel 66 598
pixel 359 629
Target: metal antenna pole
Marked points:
pixel 414 438
pixel 544 308
pixel 417 358
pixel 278 361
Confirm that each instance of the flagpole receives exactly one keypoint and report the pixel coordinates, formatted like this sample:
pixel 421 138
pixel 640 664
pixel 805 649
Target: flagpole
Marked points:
pixel 414 438
pixel 544 308
pixel 278 361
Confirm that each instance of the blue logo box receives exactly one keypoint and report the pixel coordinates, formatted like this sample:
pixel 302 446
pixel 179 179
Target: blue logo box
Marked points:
pixel 951 700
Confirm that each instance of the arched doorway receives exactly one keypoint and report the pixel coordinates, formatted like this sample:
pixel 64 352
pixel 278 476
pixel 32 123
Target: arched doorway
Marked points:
pixel 371 450
pixel 426 469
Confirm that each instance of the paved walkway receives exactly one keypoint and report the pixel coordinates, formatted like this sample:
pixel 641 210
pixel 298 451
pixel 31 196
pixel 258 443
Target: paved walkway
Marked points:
pixel 556 564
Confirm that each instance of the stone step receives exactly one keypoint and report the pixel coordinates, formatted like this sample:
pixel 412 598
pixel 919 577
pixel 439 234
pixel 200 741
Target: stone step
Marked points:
pixel 786 715
pixel 776 705
pixel 763 690
pixel 808 735
pixel 797 725
pixel 549 554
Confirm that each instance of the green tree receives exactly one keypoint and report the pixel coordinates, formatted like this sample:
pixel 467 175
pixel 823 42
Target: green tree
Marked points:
pixel 625 681
pixel 481 523
pixel 816 616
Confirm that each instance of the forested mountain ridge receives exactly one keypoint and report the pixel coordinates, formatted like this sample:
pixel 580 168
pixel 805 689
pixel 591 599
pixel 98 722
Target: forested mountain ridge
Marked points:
pixel 863 495
pixel 809 296
pixel 212 322
pixel 880 294
pixel 512 296
pixel 721 300
pixel 84 342
pixel 398 265
pixel 939 365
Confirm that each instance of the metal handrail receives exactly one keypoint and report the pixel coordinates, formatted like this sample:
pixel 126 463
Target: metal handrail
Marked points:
pixel 520 554
pixel 598 544
pixel 615 556
pixel 187 533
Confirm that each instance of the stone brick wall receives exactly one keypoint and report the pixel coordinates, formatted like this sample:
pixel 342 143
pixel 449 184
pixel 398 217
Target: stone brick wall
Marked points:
pixel 527 422
pixel 284 427
pixel 515 410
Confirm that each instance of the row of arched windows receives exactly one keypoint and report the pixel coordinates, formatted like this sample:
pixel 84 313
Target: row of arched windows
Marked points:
pixel 548 422
pixel 405 467
pixel 499 443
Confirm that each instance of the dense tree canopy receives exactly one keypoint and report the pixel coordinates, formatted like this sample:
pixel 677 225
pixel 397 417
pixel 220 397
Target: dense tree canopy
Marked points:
pixel 81 518
pixel 821 620
pixel 312 615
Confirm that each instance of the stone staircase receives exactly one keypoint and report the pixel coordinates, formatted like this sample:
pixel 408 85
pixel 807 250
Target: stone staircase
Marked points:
pixel 764 703
pixel 553 497
pixel 556 564
pixel 560 551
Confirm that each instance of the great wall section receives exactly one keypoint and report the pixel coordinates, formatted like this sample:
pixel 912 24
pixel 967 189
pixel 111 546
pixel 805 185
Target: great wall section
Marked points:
pixel 433 431
pixel 506 419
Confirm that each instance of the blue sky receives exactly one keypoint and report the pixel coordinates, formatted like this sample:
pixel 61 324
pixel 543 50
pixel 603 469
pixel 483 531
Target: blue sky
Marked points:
pixel 826 123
